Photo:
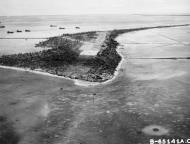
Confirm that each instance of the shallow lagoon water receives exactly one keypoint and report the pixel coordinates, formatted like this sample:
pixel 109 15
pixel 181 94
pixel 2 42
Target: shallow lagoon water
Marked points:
pixel 15 46
pixel 146 94
pixel 40 26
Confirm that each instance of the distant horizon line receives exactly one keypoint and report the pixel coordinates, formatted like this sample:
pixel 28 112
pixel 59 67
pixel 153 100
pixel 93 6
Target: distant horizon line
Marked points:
pixel 146 14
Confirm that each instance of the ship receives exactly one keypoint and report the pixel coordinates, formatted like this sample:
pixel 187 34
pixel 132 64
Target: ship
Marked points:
pixel 27 30
pixel 2 26
pixel 10 32
pixel 53 26
pixel 61 28
pixel 19 31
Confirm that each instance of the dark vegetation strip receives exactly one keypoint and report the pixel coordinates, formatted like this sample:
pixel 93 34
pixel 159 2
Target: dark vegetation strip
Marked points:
pixel 64 58
pixel 121 31
pixel 83 36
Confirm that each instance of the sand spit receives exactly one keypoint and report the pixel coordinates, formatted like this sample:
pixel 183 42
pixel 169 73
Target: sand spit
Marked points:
pixel 87 83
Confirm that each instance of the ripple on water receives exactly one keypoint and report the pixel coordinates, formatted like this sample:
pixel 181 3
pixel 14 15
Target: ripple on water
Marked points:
pixel 159 76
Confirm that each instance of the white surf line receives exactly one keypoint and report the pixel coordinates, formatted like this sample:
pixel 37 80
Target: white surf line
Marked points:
pixel 33 71
pixel 76 81
pixel 87 83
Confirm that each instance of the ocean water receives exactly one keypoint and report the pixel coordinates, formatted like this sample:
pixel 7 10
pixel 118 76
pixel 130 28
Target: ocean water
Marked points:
pixel 40 27
pixel 146 94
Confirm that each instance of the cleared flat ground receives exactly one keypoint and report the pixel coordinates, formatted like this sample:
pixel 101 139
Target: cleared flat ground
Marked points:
pixel 93 47
pixel 148 99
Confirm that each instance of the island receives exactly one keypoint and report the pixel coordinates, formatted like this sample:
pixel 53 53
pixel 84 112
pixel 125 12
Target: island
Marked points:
pixel 63 58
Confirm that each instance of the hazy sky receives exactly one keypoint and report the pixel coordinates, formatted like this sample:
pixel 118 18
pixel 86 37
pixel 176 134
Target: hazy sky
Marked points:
pixel 53 7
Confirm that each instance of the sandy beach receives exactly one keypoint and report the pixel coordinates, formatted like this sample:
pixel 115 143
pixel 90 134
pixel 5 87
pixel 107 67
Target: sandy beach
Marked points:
pixel 145 97
pixel 76 82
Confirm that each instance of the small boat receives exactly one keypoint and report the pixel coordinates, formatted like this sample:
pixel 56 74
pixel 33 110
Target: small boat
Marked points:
pixel 10 32
pixel 2 26
pixel 27 30
pixel 61 28
pixel 53 26
pixel 77 27
pixel 18 31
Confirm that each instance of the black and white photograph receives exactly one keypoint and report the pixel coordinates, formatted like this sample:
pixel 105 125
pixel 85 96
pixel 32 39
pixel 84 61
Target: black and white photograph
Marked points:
pixel 94 71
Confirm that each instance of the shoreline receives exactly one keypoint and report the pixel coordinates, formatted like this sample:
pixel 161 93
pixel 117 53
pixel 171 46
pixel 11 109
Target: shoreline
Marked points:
pixel 85 82
pixel 76 81
pixel 64 59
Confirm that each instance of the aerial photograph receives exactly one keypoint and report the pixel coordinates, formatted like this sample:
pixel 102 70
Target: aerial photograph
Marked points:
pixel 94 71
